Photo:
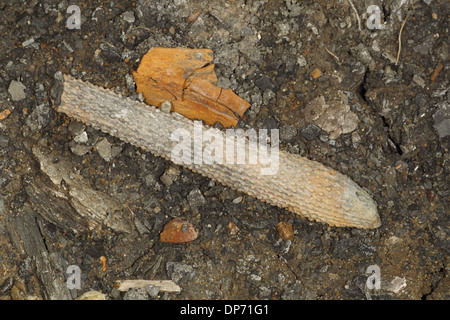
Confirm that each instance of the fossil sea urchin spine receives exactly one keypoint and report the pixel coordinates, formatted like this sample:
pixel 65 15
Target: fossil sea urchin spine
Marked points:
pixel 304 187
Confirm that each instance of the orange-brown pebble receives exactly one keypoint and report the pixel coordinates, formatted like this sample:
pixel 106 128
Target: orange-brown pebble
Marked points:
pixel 316 73
pixel 194 16
pixel 178 231
pixel 285 231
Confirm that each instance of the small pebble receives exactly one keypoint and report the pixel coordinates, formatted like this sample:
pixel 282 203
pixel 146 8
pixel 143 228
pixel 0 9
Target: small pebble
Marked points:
pixel 104 149
pixel 92 295
pixel 170 175
pixel 27 42
pixel 166 107
pixel 441 120
pixel 76 127
pixel 129 81
pixel 136 294
pixel 196 198
pixel 178 271
pixel 80 150
pixel 129 17
pixel 285 231
pixel 58 76
pixel 4 141
pixel 301 61
pixel 356 138
pixel 310 132
pixel 264 83
pixel 397 284
pixel 419 80
pixel 81 138
pixel 288 132
pixel 4 114
pixel 232 228
pixel 238 200
pixel 17 90
pixel 166 180
pixel 178 231
pixel 194 16
pixel 152 290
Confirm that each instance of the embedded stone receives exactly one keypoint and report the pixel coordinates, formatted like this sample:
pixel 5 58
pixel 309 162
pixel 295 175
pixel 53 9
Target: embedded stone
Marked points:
pixel 178 231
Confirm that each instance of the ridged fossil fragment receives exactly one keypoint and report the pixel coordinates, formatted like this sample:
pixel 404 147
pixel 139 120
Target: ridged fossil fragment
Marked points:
pixel 304 187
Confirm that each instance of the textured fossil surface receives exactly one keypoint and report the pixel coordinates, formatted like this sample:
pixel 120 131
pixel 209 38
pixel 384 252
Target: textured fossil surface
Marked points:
pixel 301 186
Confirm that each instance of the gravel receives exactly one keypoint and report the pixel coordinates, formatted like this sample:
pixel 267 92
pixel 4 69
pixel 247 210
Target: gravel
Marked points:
pixel 17 90
pixel 196 198
pixel 310 131
pixel 442 119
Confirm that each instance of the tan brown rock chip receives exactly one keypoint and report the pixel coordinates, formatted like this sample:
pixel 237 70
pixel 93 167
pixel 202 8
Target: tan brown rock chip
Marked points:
pixel 186 78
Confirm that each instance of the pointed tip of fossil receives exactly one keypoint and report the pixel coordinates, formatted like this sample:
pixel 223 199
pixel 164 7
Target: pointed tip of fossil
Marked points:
pixel 372 218
pixel 362 209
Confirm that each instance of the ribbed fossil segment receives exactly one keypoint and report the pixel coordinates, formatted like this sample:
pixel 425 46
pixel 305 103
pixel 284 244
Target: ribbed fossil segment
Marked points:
pixel 304 187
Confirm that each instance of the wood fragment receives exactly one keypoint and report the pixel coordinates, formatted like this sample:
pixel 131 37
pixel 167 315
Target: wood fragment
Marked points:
pixel 92 295
pixel 64 198
pixel 164 285
pixel 178 231
pixel 24 229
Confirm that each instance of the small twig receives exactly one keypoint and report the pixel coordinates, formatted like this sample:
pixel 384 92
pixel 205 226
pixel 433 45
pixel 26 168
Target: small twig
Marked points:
pixel 103 263
pixel 400 39
pixel 356 13
pixel 131 211
pixel 335 56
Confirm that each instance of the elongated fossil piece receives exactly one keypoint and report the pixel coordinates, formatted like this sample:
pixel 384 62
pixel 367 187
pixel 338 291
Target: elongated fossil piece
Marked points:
pixel 304 187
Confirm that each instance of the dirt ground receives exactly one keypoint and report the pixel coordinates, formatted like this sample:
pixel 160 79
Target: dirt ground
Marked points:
pixel 278 55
